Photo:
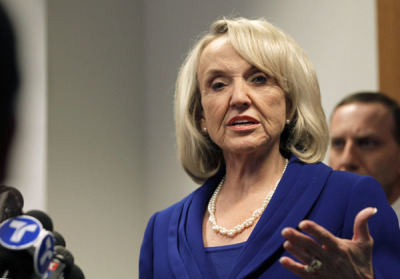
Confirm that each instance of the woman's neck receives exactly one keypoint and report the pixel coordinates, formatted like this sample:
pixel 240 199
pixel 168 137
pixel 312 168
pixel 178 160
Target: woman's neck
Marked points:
pixel 246 173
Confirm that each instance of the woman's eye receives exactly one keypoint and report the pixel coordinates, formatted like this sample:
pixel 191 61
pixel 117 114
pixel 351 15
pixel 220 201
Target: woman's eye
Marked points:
pixel 217 86
pixel 259 79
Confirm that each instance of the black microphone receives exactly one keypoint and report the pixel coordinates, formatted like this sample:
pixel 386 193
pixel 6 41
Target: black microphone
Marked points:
pixel 26 247
pixel 15 264
pixel 58 239
pixel 38 252
pixel 76 273
pixel 42 217
pixel 11 202
pixel 61 265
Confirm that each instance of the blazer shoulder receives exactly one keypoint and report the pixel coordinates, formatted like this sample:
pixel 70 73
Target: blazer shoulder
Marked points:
pixel 349 178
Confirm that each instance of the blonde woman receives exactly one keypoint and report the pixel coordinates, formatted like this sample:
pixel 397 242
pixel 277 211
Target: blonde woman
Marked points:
pixel 251 129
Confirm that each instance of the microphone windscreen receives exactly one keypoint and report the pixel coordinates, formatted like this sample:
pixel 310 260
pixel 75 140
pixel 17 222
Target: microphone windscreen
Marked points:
pixel 58 239
pixel 76 273
pixel 11 202
pixel 15 260
pixel 42 218
pixel 63 255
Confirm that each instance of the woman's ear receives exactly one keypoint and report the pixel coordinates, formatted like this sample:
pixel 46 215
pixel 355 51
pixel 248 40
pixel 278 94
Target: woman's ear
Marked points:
pixel 203 125
pixel 289 108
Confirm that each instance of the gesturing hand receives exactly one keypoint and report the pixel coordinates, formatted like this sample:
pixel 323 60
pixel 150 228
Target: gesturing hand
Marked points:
pixel 332 257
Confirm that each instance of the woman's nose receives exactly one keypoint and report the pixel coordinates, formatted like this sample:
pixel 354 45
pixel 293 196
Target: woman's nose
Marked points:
pixel 240 94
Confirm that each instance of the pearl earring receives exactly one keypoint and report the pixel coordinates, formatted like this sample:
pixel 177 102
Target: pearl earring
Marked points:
pixel 287 121
pixel 205 130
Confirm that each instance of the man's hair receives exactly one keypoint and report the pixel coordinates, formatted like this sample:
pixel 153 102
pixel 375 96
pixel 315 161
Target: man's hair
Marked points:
pixel 369 97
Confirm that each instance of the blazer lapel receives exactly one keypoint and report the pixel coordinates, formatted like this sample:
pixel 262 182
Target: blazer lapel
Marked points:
pixel 294 198
pixel 185 245
pixel 299 187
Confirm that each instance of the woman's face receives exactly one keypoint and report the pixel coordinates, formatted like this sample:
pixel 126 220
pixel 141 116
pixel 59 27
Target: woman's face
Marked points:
pixel 244 110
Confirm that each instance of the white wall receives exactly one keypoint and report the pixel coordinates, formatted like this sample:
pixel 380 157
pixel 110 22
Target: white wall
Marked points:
pixel 110 140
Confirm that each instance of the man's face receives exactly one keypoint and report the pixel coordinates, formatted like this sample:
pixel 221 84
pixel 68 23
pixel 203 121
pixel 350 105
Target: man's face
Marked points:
pixel 362 141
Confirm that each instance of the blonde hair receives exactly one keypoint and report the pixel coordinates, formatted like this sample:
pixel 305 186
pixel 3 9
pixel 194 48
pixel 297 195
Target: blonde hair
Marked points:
pixel 272 51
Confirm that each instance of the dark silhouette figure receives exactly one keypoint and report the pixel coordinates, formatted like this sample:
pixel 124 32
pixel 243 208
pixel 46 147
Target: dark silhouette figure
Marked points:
pixel 9 84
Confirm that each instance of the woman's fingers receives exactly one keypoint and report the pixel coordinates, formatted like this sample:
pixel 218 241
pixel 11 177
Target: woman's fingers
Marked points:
pixel 298 252
pixel 336 257
pixel 301 246
pixel 296 268
pixel 361 231
pixel 323 236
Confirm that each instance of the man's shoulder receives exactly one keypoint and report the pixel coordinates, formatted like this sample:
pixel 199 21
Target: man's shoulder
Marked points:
pixel 396 207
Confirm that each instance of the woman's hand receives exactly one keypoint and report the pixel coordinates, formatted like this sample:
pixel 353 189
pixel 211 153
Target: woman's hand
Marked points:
pixel 332 257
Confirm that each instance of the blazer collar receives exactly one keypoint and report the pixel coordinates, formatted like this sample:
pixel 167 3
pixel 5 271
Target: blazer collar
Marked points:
pixel 295 196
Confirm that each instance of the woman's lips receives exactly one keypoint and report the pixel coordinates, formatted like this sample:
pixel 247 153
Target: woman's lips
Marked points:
pixel 242 122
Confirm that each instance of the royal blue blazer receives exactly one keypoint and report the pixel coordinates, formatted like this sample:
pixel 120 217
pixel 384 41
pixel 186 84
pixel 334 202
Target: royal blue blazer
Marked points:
pixel 173 244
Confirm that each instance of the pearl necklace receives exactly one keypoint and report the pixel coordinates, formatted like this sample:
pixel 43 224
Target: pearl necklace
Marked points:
pixel 246 224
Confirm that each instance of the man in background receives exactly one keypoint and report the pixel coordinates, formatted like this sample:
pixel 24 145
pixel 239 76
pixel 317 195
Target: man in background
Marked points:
pixel 365 139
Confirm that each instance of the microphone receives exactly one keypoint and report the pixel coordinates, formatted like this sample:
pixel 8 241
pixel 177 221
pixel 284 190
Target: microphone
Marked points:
pixel 58 239
pixel 29 248
pixel 15 264
pixel 23 240
pixel 61 265
pixel 43 218
pixel 11 202
pixel 76 273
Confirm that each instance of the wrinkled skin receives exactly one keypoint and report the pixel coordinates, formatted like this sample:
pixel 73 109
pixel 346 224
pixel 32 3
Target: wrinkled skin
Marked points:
pixel 341 258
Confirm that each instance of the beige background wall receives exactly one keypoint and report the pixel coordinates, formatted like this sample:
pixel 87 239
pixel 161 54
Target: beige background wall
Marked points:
pixel 108 145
